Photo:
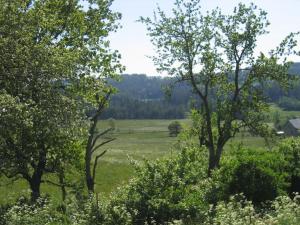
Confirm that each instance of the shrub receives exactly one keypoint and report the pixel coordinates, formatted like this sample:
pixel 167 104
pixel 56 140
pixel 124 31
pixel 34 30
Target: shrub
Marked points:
pixel 258 184
pixel 112 123
pixel 42 212
pixel 283 211
pixel 88 212
pixel 162 191
pixel 290 149
pixel 3 210
pixel 258 173
pixel 174 128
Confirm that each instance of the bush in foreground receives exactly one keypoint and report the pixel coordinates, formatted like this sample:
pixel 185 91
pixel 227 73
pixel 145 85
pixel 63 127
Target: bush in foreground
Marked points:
pixel 284 211
pixel 258 173
pixel 290 150
pixel 163 191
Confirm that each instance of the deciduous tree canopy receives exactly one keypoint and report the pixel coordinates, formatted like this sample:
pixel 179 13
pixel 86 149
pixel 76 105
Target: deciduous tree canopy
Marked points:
pixel 52 55
pixel 215 53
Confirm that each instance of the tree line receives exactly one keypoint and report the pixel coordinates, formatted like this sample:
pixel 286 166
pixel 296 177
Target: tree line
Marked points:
pixel 144 97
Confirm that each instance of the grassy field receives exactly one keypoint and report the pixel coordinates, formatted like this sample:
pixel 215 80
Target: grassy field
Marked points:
pixel 283 115
pixel 137 140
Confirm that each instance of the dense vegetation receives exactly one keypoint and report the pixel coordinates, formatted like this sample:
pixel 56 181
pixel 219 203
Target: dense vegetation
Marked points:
pixel 58 75
pixel 176 190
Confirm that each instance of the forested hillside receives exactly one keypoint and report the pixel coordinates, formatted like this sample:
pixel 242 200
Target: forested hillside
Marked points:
pixel 140 96
pixel 144 97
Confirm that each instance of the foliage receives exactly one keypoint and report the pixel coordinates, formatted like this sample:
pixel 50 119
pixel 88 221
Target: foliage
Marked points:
pixel 42 212
pixel 142 97
pixel 35 139
pixel 85 212
pixel 112 123
pixel 290 149
pixel 54 55
pixel 240 211
pixel 163 190
pixel 276 120
pixel 283 210
pixel 3 211
pixel 289 103
pixel 257 173
pixel 215 54
pixel 174 128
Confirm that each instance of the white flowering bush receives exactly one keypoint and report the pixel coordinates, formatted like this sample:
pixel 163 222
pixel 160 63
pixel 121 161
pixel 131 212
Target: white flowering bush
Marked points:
pixel 43 212
pixel 238 211
pixel 89 212
pixel 40 213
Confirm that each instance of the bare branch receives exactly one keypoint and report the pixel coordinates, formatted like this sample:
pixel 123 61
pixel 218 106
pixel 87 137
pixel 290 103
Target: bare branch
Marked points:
pixel 99 135
pixel 56 184
pixel 103 143
pixel 96 163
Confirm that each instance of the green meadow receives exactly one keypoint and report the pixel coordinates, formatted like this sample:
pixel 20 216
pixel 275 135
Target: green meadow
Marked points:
pixel 135 140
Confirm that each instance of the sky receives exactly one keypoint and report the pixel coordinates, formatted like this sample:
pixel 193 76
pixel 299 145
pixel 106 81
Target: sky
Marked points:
pixel 135 46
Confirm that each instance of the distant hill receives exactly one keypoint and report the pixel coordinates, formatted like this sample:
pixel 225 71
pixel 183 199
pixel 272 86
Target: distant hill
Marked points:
pixel 295 68
pixel 143 97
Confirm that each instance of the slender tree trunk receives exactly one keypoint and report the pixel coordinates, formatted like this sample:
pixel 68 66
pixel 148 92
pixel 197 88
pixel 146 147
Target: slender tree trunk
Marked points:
pixel 90 147
pixel 61 177
pixel 88 157
pixel 89 178
pixel 211 160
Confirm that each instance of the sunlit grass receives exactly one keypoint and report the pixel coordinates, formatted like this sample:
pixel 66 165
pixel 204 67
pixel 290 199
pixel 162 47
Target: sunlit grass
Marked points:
pixel 135 140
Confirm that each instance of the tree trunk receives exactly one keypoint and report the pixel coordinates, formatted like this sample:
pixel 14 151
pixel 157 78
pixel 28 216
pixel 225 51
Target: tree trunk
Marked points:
pixel 211 160
pixel 214 158
pixel 88 157
pixel 89 178
pixel 61 177
pixel 36 179
pixel 35 184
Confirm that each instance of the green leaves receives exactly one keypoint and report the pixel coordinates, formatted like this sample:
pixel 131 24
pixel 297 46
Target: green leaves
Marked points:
pixel 54 56
pixel 215 53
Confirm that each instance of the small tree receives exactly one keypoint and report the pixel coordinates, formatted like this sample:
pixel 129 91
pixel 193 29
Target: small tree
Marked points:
pixel 93 144
pixel 112 123
pixel 174 128
pixel 214 53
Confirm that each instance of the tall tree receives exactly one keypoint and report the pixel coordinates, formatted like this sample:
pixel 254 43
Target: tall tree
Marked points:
pixel 215 53
pixel 46 48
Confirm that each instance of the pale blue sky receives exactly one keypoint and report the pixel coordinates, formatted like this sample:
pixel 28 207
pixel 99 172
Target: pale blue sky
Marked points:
pixel 134 44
